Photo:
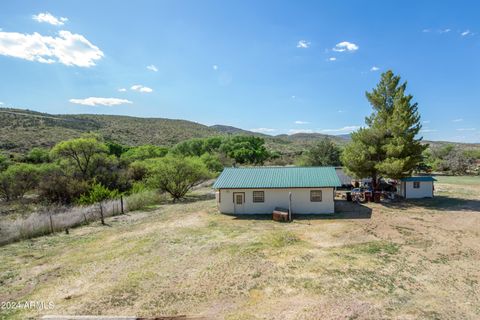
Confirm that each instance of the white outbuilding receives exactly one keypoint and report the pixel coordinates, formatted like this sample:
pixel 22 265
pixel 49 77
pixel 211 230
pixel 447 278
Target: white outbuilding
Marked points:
pixel 416 187
pixel 260 190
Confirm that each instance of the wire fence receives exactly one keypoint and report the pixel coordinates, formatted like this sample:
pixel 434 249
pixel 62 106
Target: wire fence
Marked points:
pixel 56 219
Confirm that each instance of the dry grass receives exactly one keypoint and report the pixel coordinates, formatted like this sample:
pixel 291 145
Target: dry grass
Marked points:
pixel 58 219
pixel 403 261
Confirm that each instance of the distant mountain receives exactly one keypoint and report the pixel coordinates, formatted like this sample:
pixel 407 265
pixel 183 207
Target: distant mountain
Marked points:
pixel 234 130
pixel 21 130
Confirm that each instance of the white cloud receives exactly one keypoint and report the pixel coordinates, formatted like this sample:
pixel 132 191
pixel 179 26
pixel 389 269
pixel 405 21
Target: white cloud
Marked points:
pixel 294 131
pixel 457 120
pixel 215 67
pixel 49 18
pixel 304 44
pixel 263 130
pixel 122 90
pixel 332 59
pixel 68 48
pixel 427 130
pixel 426 121
pixel 465 33
pixel 301 122
pixel 445 30
pixel 346 129
pixel 374 68
pixel 152 68
pixel 140 88
pixel 294 97
pixel 341 111
pixel 466 129
pixel 345 46
pixel 96 101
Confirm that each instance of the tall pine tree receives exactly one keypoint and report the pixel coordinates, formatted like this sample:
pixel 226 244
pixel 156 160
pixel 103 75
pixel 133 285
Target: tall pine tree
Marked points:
pixel 388 146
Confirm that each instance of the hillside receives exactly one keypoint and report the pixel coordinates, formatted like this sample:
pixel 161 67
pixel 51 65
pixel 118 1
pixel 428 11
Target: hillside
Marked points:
pixel 21 130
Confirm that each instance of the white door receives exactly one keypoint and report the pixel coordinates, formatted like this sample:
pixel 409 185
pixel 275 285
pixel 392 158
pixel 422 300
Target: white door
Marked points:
pixel 239 202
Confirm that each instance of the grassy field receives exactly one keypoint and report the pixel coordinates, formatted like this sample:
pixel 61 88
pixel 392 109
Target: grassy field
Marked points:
pixel 410 260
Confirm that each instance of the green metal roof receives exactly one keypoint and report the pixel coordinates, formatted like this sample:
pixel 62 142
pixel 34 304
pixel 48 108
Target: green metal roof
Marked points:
pixel 424 178
pixel 277 177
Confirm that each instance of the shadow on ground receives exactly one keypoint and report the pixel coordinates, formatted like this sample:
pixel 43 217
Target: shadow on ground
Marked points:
pixel 441 203
pixel 343 210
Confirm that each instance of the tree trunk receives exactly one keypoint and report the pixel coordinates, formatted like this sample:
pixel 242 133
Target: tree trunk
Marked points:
pixel 374 183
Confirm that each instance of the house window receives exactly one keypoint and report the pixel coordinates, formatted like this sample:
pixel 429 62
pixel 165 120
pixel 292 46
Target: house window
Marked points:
pixel 258 196
pixel 416 184
pixel 315 195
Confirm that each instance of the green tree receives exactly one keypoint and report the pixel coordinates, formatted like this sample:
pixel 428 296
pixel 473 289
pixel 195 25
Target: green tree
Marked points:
pixel 246 149
pixel 17 180
pixel 57 186
pixel 81 153
pixel 38 155
pixel 4 162
pixel 323 153
pixel 116 149
pixel 177 175
pixel 144 152
pixel 212 162
pixel 388 146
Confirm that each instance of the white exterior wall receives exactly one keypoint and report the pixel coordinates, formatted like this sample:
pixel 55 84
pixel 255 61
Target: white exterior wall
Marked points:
pixel 405 189
pixel 277 198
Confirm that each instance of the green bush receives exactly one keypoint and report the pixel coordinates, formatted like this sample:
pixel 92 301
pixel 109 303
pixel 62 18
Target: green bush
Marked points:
pixel 177 175
pixel 57 186
pixel 38 155
pixel 144 152
pixel 96 194
pixel 17 180
pixel 212 162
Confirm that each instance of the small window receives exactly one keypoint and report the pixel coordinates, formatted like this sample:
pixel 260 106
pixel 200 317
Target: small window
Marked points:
pixel 416 184
pixel 239 199
pixel 315 195
pixel 258 196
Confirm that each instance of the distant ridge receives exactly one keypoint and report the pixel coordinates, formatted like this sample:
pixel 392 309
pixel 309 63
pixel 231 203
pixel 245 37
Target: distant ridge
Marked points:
pixel 21 130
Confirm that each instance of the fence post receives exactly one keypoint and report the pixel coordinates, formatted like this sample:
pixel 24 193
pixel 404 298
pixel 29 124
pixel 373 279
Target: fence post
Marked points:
pixel 85 217
pixel 121 204
pixel 101 214
pixel 51 223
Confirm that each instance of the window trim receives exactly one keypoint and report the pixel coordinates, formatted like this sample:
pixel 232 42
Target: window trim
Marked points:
pixel 312 198
pixel 416 184
pixel 263 196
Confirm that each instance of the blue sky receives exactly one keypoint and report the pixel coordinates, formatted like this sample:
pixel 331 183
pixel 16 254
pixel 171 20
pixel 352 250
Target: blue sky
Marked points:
pixel 273 66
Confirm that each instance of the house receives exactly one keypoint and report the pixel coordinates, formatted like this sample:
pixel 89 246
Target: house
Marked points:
pixel 259 190
pixel 416 187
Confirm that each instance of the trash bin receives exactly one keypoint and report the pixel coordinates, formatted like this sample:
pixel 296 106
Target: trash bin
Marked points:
pixel 378 196
pixel 349 196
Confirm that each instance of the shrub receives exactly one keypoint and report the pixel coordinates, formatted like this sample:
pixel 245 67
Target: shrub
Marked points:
pixel 56 186
pixel 96 194
pixel 38 155
pixel 176 175
pixel 212 162
pixel 144 152
pixel 17 180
